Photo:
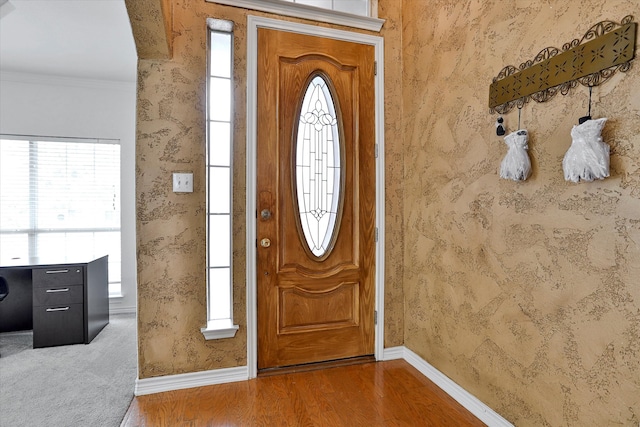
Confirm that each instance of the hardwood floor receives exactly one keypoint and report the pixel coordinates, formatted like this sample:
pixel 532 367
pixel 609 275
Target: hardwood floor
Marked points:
pixel 391 393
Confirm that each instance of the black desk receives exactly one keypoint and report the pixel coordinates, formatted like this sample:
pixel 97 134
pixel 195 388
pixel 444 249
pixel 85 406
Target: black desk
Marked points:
pixel 63 302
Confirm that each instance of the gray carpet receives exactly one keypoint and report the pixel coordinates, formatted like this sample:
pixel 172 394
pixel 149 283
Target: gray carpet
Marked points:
pixel 69 386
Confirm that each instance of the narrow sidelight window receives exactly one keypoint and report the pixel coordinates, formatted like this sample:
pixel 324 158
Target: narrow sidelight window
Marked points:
pixel 219 180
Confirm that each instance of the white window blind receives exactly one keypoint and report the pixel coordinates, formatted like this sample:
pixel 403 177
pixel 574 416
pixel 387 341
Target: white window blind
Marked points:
pixel 61 198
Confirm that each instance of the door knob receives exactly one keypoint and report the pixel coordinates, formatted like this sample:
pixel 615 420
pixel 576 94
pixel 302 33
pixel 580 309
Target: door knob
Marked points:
pixel 265 214
pixel 265 243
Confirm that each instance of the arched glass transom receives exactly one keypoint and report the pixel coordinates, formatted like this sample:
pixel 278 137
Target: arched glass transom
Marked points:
pixel 318 167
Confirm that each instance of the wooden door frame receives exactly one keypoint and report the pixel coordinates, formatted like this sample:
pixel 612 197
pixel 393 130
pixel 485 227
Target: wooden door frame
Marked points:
pixel 253 23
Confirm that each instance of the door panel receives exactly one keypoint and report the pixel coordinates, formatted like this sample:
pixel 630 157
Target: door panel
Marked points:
pixel 314 308
pixel 329 309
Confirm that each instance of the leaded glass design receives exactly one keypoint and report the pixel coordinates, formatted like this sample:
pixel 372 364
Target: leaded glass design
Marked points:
pixel 318 173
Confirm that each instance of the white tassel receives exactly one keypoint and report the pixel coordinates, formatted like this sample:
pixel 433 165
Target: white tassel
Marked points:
pixel 516 164
pixel 588 156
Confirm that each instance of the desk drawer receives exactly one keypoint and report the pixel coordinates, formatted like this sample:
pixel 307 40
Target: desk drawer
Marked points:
pixel 64 275
pixel 57 295
pixel 58 325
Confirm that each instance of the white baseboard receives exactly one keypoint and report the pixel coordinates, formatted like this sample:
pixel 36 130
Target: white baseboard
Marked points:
pixel 189 380
pixel 227 375
pixel 393 353
pixel 122 310
pixel 463 397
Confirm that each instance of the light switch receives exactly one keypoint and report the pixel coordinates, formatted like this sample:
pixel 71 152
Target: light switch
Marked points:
pixel 183 182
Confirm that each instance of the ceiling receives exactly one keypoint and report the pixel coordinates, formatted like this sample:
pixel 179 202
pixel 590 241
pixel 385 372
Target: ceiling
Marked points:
pixel 88 39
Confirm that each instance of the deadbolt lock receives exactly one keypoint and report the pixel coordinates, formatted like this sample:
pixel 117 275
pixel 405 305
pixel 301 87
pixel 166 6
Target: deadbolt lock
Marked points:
pixel 265 214
pixel 265 243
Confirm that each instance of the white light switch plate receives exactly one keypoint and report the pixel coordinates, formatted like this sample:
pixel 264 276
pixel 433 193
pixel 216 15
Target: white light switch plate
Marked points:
pixel 183 182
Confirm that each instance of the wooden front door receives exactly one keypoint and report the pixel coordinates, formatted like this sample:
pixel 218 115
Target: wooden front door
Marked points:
pixel 315 199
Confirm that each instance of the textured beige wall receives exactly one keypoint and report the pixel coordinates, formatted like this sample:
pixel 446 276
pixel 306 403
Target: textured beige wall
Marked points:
pixel 171 227
pixel 151 27
pixel 525 294
pixel 391 12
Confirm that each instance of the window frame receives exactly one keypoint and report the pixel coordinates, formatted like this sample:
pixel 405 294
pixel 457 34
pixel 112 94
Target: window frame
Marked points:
pixel 33 230
pixel 297 10
pixel 219 327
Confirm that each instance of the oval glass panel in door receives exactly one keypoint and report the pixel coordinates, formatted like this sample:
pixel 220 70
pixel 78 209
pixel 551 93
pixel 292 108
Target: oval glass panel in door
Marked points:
pixel 318 173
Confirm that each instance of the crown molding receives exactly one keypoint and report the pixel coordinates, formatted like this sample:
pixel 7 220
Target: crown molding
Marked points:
pixel 53 80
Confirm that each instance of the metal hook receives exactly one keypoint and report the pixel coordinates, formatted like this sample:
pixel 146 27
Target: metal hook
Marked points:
pixel 519 114
pixel 583 119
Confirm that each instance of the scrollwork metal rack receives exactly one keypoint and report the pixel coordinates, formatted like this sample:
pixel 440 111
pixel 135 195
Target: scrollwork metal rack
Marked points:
pixel 608 47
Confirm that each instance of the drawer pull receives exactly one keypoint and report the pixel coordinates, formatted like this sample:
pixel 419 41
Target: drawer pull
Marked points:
pixel 58 309
pixel 51 291
pixel 57 271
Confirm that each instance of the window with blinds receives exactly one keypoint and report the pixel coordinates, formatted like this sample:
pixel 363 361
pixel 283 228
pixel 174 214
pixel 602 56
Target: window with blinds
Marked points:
pixel 61 198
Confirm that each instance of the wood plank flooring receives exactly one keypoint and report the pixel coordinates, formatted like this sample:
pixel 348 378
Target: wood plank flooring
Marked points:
pixel 391 393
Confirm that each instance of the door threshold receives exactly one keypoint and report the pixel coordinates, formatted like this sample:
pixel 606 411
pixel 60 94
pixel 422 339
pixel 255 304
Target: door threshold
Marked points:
pixel 316 366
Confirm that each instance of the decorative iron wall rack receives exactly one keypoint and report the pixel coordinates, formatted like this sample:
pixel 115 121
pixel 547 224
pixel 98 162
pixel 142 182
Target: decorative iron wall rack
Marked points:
pixel 606 48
